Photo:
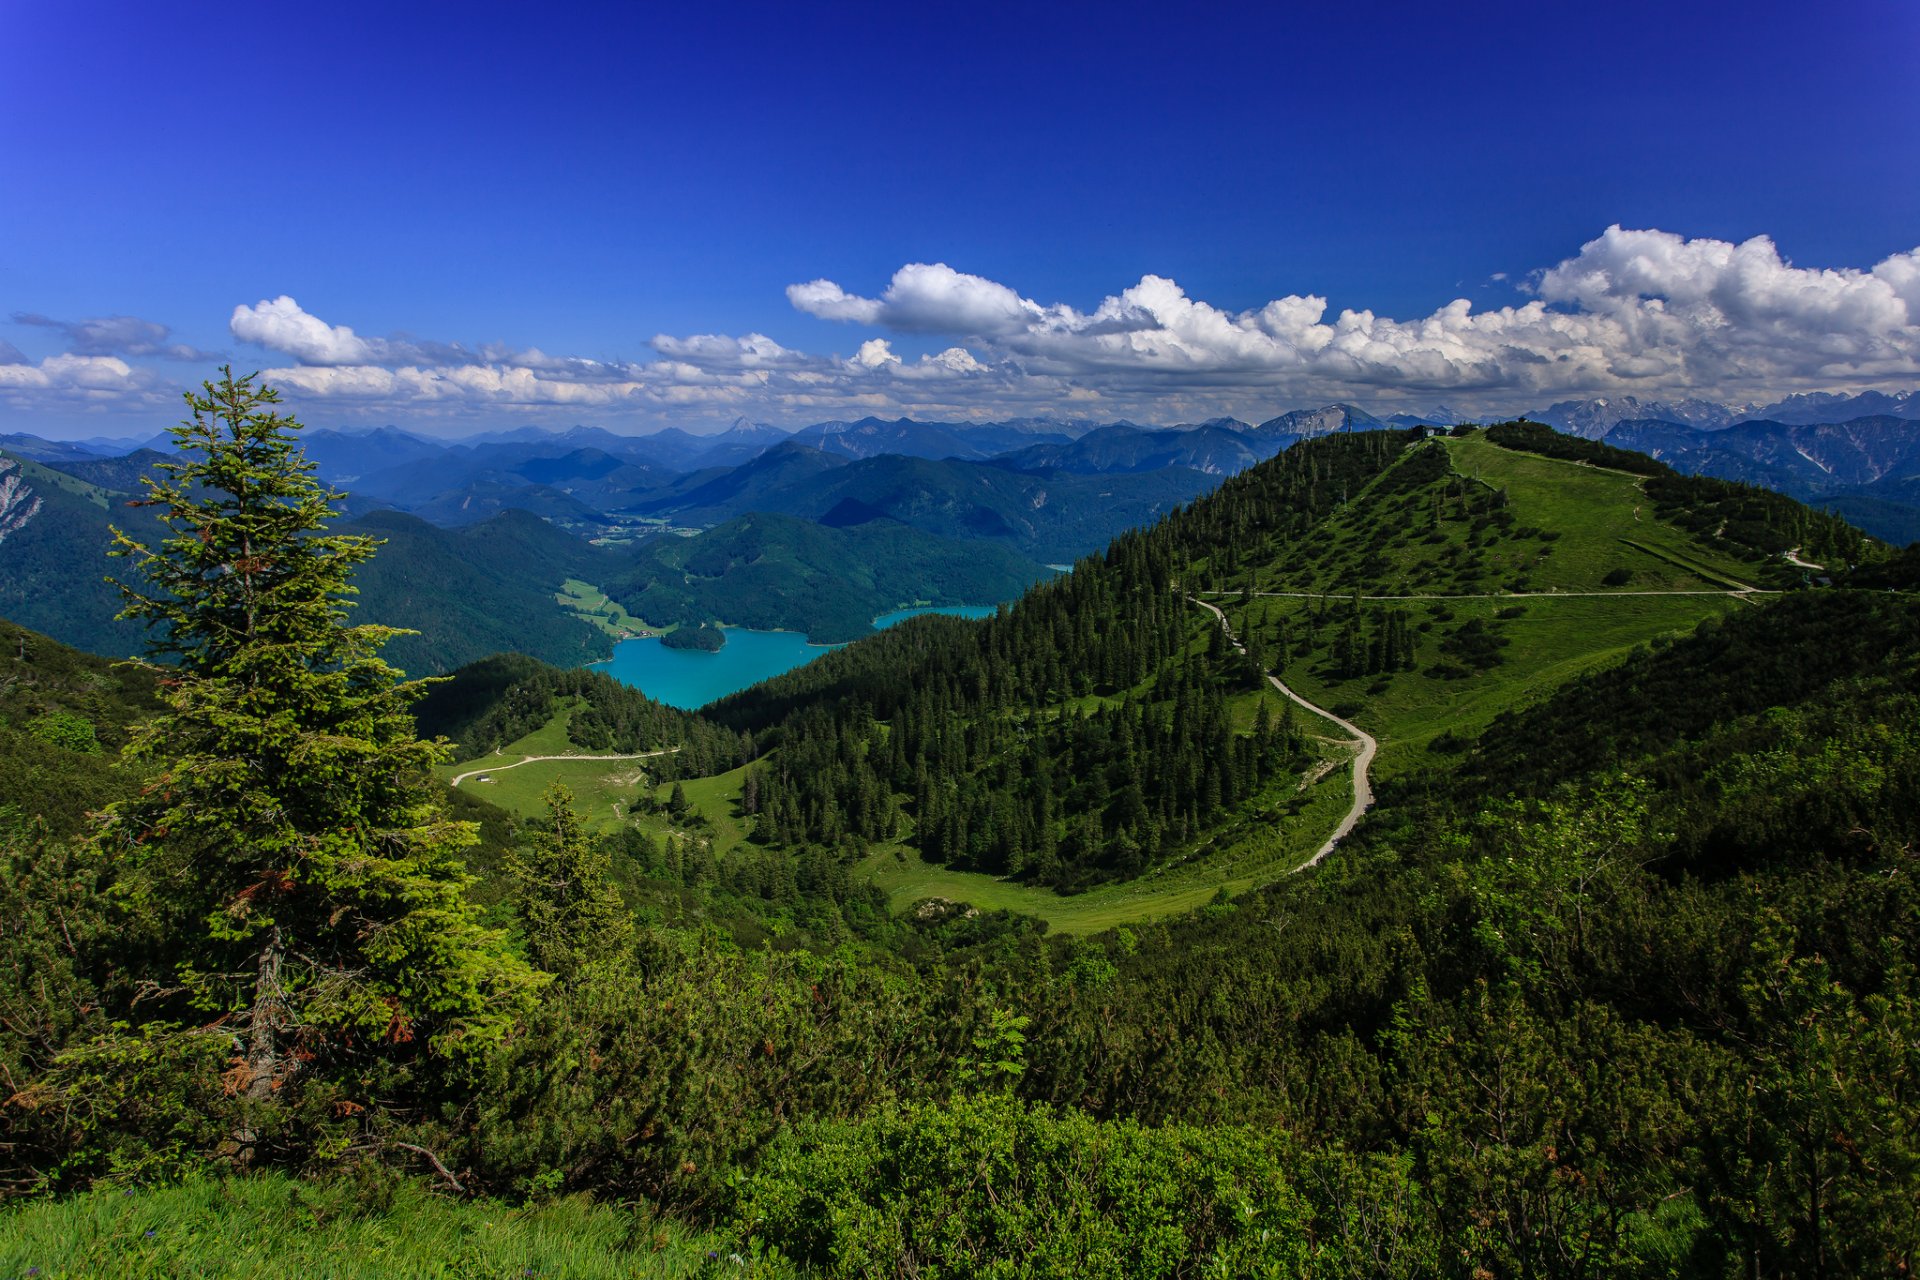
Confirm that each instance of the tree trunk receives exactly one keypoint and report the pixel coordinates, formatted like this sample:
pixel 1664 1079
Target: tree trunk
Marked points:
pixel 263 1040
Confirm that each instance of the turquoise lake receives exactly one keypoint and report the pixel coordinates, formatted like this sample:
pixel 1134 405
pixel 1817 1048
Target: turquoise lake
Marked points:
pixel 688 678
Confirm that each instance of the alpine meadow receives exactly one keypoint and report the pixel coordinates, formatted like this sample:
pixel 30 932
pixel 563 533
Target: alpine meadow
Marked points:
pixel 1387 746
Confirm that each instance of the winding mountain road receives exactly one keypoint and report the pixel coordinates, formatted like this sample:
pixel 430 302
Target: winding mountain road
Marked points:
pixel 1792 557
pixel 1362 758
pixel 502 768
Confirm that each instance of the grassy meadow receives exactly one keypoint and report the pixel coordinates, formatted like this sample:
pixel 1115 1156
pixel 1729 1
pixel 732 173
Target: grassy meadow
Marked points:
pixel 272 1225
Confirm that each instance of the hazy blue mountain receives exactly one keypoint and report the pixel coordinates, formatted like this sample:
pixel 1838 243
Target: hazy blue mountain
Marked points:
pixel 472 591
pixel 467 482
pixel 685 451
pixel 716 494
pixel 345 457
pixel 1440 416
pixel 1215 450
pixel 1867 469
pixel 32 447
pixel 1826 406
pixel 486 497
pixel 1217 424
pixel 1302 424
pixel 973 441
pixel 1811 458
pixel 123 473
pixel 871 437
pixel 1051 518
pixel 1592 419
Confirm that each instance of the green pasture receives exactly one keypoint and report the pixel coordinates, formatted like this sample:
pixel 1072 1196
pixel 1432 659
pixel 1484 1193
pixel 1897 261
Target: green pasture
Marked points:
pixel 1551 641
pixel 603 790
pixel 590 604
pixel 1604 519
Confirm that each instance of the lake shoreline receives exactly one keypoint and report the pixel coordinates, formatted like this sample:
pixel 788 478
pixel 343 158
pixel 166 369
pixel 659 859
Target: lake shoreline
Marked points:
pixel 692 678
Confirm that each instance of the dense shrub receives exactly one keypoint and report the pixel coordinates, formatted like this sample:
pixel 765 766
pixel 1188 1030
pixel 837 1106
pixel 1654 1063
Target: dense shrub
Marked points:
pixel 655 1081
pixel 990 1187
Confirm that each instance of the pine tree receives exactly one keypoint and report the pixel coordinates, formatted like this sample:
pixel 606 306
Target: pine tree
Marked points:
pixel 569 908
pixel 291 838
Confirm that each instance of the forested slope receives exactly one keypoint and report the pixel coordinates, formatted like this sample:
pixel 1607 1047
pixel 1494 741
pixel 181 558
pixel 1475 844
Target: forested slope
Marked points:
pixel 1625 981
pixel 781 573
pixel 1099 728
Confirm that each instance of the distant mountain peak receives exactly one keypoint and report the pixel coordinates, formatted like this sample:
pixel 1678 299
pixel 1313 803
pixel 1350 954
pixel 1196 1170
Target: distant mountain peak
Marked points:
pixel 1325 420
pixel 1595 417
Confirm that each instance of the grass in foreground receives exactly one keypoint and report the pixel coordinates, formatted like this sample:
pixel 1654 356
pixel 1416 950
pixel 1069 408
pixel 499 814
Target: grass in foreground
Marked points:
pixel 275 1226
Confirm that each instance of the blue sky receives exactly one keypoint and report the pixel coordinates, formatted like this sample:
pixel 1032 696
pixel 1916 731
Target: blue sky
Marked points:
pixel 583 213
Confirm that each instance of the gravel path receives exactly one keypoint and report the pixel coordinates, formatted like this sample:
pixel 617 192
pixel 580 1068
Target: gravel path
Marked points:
pixel 1362 759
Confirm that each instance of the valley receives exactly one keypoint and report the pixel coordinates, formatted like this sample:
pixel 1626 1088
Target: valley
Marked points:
pixel 810 642
pixel 1334 749
pixel 1452 582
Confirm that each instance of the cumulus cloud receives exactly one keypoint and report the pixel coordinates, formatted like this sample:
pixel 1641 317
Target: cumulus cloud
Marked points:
pixel 76 381
pixel 829 301
pixel 115 336
pixel 717 351
pixel 280 324
pixel 1633 309
pixel 1644 311
pixel 875 353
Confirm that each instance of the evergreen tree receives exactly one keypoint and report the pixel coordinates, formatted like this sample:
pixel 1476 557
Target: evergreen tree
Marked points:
pixel 569 908
pixel 291 840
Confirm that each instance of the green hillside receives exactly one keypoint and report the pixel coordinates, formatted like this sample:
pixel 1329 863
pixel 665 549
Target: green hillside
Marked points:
pixel 64 716
pixel 485 588
pixel 1470 577
pixel 1112 743
pixel 782 573
pixel 973 948
pixel 1052 518
pixel 53 559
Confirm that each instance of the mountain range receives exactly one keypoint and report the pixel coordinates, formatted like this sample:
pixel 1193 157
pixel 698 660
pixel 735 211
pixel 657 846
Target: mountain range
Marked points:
pixel 1867 469
pixel 1491 853
pixel 1035 490
pixel 1595 418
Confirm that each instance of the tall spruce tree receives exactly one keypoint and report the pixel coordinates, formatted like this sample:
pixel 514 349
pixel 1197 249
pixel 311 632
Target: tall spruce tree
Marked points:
pixel 568 906
pixel 290 839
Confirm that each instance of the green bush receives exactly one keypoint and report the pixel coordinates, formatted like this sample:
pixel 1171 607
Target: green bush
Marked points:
pixel 990 1187
pixel 64 729
pixel 654 1081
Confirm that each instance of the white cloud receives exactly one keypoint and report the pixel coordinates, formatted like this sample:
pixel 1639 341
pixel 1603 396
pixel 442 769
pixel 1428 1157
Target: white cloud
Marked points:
pixel 1633 309
pixel 1649 312
pixel 874 353
pixel 86 382
pixel 718 351
pixel 829 301
pixel 279 324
